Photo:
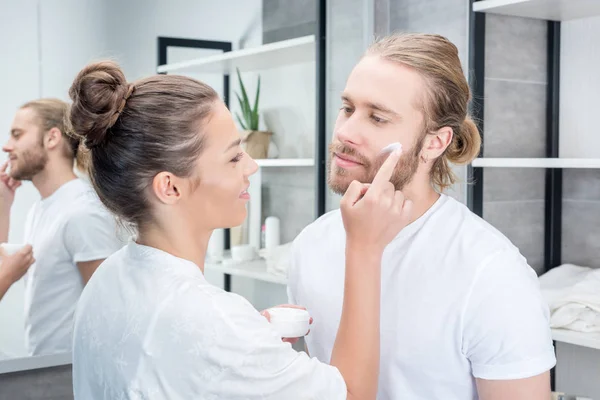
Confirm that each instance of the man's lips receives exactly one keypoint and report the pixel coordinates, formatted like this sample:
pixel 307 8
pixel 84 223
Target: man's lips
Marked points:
pixel 344 161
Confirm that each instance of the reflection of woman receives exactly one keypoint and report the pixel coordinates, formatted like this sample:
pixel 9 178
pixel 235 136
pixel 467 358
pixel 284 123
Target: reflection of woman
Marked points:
pixel 166 156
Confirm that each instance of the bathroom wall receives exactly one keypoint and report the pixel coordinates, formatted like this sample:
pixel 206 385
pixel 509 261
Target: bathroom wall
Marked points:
pixel 515 126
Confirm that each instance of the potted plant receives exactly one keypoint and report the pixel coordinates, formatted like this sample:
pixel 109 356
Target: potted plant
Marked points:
pixel 255 141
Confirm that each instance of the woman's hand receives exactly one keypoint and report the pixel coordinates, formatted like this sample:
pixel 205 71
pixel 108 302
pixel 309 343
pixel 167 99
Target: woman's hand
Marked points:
pixel 265 313
pixel 374 214
pixel 13 267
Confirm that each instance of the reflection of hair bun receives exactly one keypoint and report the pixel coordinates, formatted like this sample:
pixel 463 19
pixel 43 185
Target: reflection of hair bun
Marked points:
pixel 99 93
pixel 466 143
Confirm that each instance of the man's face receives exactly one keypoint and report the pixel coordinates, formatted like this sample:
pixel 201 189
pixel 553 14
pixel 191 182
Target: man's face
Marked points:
pixel 26 153
pixel 380 105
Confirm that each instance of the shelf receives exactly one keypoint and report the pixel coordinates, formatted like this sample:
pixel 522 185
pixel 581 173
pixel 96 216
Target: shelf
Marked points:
pixel 588 163
pixel 590 340
pixel 256 269
pixel 278 54
pixel 286 162
pixel 554 10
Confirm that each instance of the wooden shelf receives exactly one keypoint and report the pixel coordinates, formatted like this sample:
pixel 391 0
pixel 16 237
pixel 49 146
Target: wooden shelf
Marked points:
pixel 272 55
pixel 586 163
pixel 554 10
pixel 286 162
pixel 256 269
pixel 590 340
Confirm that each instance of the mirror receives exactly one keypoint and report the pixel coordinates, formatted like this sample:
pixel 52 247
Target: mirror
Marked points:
pixel 46 44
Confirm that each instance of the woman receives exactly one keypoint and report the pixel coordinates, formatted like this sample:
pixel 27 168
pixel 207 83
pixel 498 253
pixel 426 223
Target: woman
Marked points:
pixel 166 157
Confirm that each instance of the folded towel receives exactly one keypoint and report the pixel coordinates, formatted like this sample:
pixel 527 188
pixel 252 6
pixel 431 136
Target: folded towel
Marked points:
pixel 573 295
pixel 277 259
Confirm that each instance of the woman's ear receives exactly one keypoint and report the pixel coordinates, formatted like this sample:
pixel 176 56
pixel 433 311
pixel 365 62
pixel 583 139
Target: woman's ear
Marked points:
pixel 166 187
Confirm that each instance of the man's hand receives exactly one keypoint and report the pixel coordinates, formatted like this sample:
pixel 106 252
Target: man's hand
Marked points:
pixel 265 314
pixel 8 186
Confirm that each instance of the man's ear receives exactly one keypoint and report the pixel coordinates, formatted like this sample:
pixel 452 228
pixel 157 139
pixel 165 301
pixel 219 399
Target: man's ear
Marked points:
pixel 436 143
pixel 53 138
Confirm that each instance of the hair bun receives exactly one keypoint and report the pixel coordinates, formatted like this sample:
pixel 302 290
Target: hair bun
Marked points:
pixel 466 144
pixel 98 93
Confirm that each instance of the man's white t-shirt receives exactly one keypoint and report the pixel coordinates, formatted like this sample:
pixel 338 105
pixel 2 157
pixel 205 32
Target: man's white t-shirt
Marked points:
pixel 149 326
pixel 67 227
pixel 458 302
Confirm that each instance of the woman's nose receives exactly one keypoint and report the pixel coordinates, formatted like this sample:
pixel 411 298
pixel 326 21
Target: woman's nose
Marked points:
pixel 251 166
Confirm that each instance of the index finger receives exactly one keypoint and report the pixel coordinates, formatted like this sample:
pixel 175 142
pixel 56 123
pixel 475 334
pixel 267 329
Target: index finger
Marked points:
pixel 387 169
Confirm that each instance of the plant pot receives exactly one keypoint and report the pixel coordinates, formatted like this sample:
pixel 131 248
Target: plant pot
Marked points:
pixel 256 143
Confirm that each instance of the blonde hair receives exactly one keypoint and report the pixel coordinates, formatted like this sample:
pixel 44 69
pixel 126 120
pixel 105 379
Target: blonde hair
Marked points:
pixel 447 98
pixel 52 113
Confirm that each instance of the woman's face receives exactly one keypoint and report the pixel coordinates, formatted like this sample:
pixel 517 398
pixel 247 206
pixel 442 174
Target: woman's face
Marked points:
pixel 223 169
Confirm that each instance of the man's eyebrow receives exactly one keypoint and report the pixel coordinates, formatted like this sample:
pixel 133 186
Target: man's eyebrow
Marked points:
pixel 383 109
pixel 375 106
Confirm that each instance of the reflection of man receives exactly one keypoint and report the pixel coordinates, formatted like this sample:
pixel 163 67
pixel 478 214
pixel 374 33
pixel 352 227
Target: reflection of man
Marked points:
pixel 462 315
pixel 69 229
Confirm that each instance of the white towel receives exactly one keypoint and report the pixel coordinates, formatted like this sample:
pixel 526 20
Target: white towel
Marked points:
pixel 278 259
pixel 573 295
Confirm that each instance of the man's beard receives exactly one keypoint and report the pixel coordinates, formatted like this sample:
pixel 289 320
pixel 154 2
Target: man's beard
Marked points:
pixel 339 179
pixel 31 163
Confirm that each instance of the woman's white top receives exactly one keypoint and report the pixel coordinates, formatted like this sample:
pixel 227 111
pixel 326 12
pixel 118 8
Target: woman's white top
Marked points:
pixel 149 326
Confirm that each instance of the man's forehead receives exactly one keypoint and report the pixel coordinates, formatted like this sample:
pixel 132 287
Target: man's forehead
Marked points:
pixel 375 80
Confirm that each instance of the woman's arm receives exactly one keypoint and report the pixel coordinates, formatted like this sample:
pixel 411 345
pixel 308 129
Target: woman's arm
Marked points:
pixel 373 215
pixel 13 267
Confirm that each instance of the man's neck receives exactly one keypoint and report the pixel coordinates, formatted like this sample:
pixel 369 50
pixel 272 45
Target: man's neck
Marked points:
pixel 422 195
pixel 52 178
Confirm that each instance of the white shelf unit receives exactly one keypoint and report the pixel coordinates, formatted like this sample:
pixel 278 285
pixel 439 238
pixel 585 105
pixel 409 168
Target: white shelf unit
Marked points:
pixel 589 340
pixel 268 56
pixel 272 55
pixel 286 162
pixel 256 269
pixel 584 163
pixel 553 10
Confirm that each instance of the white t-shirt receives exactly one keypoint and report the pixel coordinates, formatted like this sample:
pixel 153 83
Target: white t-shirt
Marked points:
pixel 149 326
pixel 67 227
pixel 458 301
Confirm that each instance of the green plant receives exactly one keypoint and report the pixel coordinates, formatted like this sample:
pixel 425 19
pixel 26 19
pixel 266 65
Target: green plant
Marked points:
pixel 249 118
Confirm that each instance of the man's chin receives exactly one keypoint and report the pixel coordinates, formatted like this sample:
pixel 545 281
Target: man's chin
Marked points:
pixel 339 184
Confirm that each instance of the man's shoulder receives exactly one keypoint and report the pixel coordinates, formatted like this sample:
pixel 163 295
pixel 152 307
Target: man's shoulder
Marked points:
pixel 475 232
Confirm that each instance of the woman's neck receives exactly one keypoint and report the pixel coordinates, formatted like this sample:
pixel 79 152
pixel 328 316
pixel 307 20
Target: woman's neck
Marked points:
pixel 178 240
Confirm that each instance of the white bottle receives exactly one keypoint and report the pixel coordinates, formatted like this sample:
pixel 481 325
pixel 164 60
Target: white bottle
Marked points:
pixel 216 245
pixel 272 234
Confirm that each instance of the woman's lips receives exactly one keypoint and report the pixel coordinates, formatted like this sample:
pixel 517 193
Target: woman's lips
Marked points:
pixel 245 195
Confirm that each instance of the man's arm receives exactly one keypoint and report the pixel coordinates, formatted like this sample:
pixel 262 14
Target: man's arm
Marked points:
pixel 87 269
pixel 534 388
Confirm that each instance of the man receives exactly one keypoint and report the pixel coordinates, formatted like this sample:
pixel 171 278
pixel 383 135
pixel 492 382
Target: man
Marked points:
pixel 462 315
pixel 70 231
